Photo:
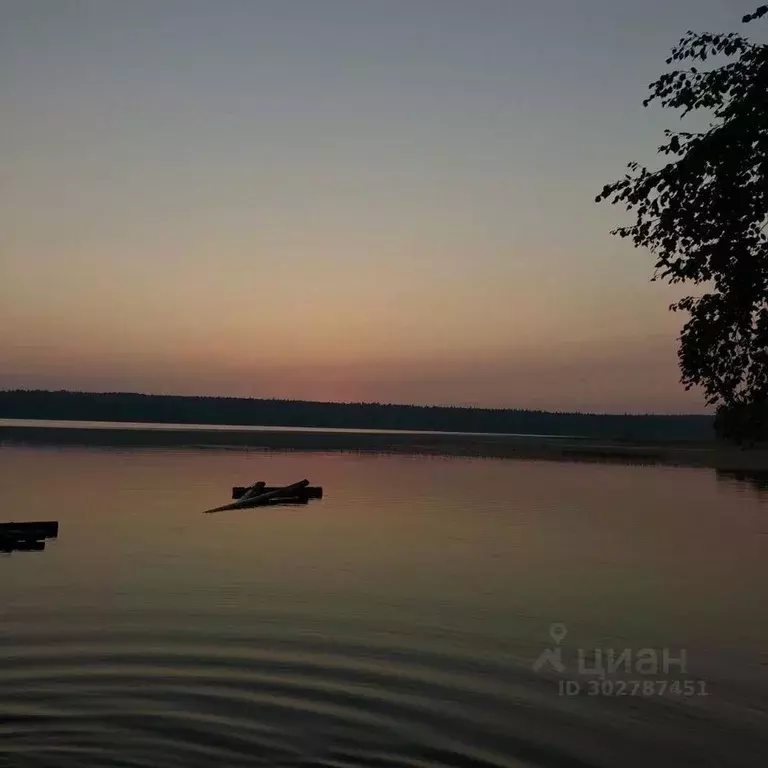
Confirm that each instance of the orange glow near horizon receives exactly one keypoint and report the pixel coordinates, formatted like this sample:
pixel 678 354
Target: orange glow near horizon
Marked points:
pixel 382 208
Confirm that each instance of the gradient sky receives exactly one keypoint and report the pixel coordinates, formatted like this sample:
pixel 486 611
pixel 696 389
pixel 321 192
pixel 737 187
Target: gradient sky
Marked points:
pixel 387 200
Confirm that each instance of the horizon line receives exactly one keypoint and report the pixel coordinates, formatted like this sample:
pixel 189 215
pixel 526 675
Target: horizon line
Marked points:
pixel 366 403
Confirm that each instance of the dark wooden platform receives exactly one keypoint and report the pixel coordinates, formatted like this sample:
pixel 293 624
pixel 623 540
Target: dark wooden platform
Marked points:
pixel 26 536
pixel 29 531
pixel 8 546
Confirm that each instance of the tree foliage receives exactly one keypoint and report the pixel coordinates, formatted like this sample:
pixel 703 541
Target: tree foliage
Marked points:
pixel 703 215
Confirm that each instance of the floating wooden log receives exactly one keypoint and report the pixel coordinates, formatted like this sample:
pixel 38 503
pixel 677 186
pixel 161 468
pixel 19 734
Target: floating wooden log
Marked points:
pixel 312 491
pixel 256 501
pixel 254 490
pixel 286 501
pixel 31 531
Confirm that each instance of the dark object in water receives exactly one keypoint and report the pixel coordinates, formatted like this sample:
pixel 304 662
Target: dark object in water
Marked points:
pixel 14 545
pixel 254 490
pixel 32 531
pixel 311 491
pixel 26 537
pixel 259 499
pixel 260 489
pixel 286 500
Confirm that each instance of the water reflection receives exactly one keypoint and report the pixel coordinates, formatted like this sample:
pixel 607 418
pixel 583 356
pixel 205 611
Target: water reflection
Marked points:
pixel 395 623
pixel 757 480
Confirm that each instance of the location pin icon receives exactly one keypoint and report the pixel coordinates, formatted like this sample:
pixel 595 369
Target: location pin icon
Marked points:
pixel 558 632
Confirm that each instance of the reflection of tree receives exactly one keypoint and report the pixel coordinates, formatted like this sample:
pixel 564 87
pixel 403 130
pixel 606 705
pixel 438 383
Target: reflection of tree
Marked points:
pixel 757 479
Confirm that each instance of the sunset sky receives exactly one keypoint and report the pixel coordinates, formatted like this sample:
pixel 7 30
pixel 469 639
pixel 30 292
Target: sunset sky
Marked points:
pixel 382 200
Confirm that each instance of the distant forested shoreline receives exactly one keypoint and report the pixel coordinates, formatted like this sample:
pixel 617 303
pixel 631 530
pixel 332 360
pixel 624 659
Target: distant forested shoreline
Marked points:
pixel 176 409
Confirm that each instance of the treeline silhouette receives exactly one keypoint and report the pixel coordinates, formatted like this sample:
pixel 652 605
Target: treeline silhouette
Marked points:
pixel 174 409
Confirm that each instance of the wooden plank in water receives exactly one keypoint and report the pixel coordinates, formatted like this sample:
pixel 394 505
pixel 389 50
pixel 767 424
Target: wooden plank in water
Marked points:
pixel 257 488
pixel 286 501
pixel 48 529
pixel 7 546
pixel 255 501
pixel 312 491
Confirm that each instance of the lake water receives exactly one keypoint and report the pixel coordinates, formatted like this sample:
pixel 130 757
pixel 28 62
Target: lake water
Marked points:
pixel 400 621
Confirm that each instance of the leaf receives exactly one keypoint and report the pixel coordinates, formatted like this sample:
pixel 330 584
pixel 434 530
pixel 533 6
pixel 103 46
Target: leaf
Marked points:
pixel 758 14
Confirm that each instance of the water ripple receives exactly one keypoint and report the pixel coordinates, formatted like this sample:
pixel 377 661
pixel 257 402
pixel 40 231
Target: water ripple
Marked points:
pixel 133 698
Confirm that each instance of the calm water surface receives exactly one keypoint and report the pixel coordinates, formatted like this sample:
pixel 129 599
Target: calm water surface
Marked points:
pixel 397 622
